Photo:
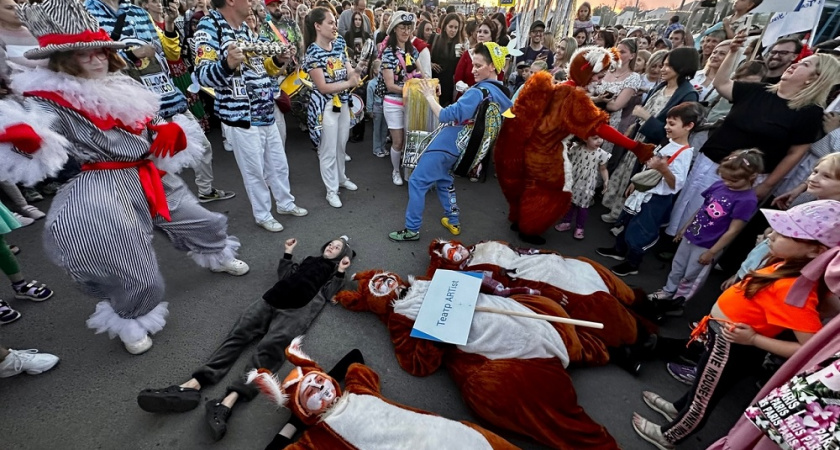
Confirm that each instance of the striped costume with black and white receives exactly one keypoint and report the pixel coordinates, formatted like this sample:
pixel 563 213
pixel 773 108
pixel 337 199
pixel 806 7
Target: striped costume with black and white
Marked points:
pixel 138 29
pixel 99 227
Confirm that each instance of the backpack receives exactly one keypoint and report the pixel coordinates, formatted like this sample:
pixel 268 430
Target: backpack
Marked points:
pixel 477 138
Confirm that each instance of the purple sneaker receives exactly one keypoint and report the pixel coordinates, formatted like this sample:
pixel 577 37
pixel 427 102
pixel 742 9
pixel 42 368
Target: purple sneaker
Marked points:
pixel 685 374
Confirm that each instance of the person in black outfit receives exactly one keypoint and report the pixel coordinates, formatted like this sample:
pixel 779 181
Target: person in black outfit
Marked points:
pixel 283 313
pixel 445 57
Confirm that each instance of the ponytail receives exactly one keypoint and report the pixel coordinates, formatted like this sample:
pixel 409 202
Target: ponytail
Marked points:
pixel 316 15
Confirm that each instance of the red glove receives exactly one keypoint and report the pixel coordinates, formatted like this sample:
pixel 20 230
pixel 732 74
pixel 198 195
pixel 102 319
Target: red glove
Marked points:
pixel 642 151
pixel 170 139
pixel 23 137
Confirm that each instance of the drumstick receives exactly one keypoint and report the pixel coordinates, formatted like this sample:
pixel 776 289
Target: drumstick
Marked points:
pixel 530 315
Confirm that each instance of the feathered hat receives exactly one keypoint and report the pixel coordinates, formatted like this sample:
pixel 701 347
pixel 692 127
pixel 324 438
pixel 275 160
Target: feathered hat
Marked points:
pixel 590 61
pixel 61 26
pixel 287 392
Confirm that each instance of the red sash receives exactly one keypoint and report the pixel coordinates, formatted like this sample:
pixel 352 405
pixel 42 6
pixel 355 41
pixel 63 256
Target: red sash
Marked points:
pixel 150 179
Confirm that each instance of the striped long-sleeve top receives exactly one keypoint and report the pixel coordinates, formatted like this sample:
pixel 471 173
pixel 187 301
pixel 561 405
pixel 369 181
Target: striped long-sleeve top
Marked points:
pixel 139 29
pixel 245 94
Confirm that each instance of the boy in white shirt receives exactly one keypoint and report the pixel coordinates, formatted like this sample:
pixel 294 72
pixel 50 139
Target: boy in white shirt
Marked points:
pixel 673 161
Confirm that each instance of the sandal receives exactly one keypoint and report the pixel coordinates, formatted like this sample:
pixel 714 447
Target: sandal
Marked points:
pixel 651 432
pixel 578 234
pixel 172 399
pixel 660 405
pixel 32 291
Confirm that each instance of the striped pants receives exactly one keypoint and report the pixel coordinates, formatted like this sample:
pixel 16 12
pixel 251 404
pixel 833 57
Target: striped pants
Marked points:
pixel 104 242
pixel 721 366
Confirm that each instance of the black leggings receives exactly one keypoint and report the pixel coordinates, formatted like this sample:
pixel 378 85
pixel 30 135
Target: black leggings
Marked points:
pixel 721 366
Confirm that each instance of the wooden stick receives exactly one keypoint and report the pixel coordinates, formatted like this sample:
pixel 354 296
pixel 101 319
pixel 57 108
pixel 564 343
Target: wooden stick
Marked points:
pixel 580 323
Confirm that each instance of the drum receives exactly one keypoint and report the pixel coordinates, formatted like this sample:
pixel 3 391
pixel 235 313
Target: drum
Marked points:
pixel 296 83
pixel 420 123
pixel 357 110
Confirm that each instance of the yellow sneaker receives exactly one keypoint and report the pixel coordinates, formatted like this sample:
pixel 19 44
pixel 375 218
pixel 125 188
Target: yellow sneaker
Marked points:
pixel 454 229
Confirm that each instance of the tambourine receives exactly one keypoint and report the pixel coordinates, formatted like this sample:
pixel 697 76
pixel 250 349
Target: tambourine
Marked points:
pixel 262 48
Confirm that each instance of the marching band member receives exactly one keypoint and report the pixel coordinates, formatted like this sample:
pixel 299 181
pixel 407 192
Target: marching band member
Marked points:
pixel 245 104
pixel 399 63
pixel 328 114
pixel 99 227
pixel 150 48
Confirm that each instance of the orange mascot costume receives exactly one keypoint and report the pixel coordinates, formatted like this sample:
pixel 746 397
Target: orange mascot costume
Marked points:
pixel 533 171
pixel 585 289
pixel 361 417
pixel 512 370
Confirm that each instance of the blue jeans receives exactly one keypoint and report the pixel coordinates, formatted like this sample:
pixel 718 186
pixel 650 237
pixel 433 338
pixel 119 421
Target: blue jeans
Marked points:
pixel 642 231
pixel 380 131
pixel 433 171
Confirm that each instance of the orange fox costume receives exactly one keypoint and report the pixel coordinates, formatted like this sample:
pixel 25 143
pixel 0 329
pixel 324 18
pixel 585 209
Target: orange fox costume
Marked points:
pixel 512 371
pixel 533 170
pixel 586 290
pixel 361 417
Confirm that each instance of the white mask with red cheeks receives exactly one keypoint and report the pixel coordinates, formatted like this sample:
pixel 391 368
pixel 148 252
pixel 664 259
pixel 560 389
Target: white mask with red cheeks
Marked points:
pixel 316 392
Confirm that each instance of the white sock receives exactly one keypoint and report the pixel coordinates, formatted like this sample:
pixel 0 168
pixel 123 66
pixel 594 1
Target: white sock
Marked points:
pixel 396 159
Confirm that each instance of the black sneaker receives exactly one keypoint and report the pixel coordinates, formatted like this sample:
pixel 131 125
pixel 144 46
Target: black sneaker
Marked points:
pixel 624 269
pixel 669 307
pixel 610 252
pixel 7 314
pixel 216 415
pixel 215 194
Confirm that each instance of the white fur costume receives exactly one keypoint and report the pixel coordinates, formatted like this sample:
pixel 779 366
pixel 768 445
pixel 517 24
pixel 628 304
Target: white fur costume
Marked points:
pixel 99 228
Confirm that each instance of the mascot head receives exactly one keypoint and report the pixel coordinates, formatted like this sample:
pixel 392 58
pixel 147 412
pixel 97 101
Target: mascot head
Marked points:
pixel 377 290
pixel 448 255
pixel 590 64
pixel 308 391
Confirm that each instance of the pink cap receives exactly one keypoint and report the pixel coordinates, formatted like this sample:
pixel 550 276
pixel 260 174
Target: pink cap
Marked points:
pixel 818 220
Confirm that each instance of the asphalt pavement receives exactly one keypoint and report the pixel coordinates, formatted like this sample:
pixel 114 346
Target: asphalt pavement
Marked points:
pixel 89 400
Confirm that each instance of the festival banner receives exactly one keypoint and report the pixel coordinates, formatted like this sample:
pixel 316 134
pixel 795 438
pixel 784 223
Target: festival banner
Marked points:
pixel 448 307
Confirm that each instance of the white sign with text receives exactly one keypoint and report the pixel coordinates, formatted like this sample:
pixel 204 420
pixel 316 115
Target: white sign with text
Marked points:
pixel 448 307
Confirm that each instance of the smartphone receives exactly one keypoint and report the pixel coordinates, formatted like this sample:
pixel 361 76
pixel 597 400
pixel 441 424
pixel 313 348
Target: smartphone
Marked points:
pixel 165 4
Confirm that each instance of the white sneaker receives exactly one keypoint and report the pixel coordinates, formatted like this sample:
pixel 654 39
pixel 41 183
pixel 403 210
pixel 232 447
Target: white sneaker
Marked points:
pixel 139 347
pixel 24 221
pixel 295 211
pixel 32 212
pixel 349 185
pixel 334 201
pixel 271 225
pixel 29 361
pixel 347 158
pixel 397 178
pixel 234 267
pixel 226 145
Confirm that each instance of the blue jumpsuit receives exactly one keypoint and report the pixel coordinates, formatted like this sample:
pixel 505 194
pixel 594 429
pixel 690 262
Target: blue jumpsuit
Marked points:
pixel 434 169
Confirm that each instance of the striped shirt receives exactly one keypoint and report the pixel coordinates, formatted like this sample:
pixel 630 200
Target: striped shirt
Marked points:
pixel 399 62
pixel 138 29
pixel 333 63
pixel 245 94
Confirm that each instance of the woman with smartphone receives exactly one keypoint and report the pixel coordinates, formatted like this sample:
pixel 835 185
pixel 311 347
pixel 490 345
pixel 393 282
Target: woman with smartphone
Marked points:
pixel 446 50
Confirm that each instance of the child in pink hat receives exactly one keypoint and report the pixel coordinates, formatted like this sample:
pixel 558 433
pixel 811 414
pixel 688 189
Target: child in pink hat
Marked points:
pixel 744 323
